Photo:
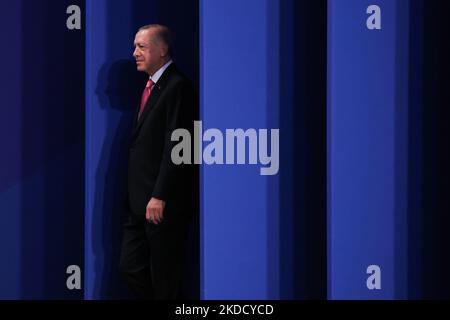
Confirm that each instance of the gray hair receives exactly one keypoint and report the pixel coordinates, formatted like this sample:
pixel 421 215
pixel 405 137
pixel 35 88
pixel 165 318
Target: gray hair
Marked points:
pixel 163 34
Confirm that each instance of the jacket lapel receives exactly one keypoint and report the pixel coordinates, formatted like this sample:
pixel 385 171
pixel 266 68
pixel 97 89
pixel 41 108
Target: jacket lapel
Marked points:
pixel 152 100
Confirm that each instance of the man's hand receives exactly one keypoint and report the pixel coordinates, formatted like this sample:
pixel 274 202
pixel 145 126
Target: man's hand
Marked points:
pixel 155 210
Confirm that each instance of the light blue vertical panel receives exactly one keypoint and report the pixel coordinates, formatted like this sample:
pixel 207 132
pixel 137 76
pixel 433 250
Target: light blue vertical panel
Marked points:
pixel 239 249
pixel 367 163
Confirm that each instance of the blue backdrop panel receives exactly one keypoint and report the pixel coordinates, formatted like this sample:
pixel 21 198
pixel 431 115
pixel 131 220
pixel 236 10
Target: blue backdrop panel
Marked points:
pixel 42 136
pixel 367 148
pixel 239 89
pixel 113 89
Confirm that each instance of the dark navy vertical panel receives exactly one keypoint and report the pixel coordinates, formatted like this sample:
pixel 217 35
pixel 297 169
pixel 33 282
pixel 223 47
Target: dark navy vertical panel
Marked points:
pixel 302 116
pixel 435 94
pixel 367 147
pixel 42 135
pixel 113 88
pixel 238 81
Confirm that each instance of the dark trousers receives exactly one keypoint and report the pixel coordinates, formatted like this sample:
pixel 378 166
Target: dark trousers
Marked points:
pixel 152 257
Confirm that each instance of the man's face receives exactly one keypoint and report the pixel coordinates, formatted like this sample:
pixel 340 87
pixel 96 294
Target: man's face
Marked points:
pixel 148 53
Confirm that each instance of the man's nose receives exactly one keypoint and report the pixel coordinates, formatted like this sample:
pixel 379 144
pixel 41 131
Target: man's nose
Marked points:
pixel 135 53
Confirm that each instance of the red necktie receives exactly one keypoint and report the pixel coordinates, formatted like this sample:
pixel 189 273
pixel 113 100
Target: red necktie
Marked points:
pixel 145 95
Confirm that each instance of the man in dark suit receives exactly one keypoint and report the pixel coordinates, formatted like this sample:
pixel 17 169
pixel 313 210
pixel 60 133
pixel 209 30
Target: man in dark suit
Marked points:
pixel 162 196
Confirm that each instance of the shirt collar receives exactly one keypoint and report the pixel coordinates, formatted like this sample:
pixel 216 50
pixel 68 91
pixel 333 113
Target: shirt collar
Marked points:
pixel 159 73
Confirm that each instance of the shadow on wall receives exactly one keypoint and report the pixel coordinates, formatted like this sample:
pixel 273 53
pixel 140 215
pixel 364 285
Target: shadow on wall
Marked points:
pixel 117 91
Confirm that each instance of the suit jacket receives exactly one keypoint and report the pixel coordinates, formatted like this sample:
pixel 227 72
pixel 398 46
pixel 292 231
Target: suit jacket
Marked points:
pixel 151 172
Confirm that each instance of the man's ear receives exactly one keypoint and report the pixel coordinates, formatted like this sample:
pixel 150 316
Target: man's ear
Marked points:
pixel 164 51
